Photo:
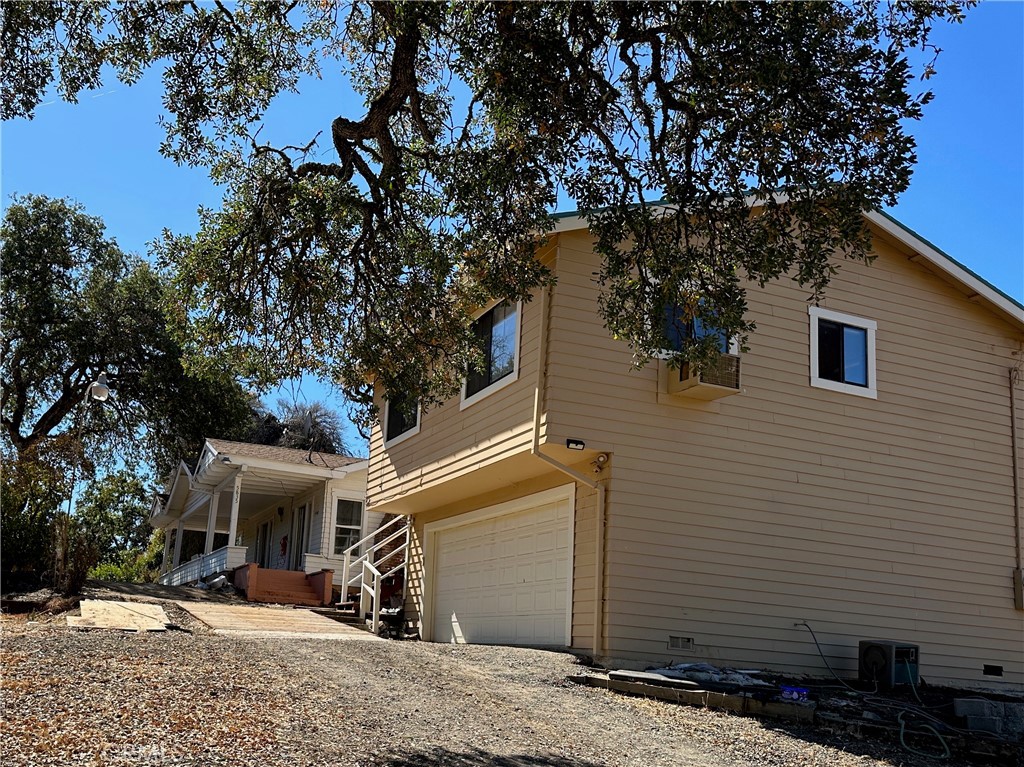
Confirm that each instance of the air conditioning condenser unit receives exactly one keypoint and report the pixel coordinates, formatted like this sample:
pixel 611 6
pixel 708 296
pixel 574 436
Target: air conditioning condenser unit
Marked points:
pixel 888 663
pixel 719 378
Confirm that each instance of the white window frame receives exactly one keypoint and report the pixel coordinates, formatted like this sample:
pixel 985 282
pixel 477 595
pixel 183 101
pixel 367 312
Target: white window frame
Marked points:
pixel 667 354
pixel 355 498
pixel 405 434
pixel 871 390
pixel 511 377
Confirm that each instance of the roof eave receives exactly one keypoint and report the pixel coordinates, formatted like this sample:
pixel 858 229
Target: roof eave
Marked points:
pixel 309 470
pixel 949 266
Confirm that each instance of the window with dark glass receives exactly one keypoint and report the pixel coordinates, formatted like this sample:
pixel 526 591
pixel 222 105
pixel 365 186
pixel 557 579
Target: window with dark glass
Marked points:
pixel 403 416
pixel 679 328
pixel 348 523
pixel 842 353
pixel 496 331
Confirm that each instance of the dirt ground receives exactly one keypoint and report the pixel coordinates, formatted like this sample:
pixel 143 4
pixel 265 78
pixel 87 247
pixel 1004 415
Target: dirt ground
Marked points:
pixel 191 697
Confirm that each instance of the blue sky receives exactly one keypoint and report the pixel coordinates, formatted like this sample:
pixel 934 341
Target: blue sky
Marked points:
pixel 966 197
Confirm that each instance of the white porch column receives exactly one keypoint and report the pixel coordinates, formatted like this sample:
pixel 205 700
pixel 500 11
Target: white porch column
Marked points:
pixel 179 533
pixel 167 551
pixel 236 493
pixel 211 523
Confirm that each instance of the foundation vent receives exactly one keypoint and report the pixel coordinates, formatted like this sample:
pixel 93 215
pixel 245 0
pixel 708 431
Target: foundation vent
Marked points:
pixel 684 644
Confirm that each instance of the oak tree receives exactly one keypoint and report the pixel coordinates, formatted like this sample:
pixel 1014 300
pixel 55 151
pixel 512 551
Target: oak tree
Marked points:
pixel 476 117
pixel 75 306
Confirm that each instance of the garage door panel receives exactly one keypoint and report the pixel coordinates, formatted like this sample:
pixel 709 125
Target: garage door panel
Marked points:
pixel 504 579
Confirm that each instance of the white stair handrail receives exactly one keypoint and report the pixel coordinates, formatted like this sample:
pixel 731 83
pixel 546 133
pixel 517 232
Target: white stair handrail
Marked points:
pixel 352 560
pixel 369 592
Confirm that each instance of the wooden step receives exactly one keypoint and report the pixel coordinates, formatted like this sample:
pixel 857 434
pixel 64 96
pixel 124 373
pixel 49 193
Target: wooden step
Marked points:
pixel 287 598
pixel 348 618
pixel 283 591
pixel 291 579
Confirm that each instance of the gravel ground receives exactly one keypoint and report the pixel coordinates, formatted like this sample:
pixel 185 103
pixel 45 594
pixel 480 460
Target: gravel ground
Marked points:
pixel 189 697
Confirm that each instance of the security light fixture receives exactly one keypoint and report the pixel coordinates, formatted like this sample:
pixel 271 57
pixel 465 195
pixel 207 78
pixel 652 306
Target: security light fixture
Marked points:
pixel 575 444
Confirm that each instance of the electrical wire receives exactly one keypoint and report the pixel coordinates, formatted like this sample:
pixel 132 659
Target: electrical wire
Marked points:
pixel 905 708
pixel 910 707
pixel 910 679
pixel 842 681
pixel 903 742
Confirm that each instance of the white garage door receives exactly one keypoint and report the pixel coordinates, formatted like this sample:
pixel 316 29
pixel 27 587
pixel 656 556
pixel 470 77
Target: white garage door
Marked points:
pixel 505 579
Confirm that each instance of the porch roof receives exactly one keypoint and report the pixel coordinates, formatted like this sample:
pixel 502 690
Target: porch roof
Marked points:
pixel 282 454
pixel 266 473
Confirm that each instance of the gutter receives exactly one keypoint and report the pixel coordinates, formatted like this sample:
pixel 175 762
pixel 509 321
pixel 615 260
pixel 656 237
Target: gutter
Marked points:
pixel 540 389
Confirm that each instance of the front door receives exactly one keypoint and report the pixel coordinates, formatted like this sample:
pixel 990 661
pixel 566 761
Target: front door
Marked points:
pixel 263 545
pixel 300 536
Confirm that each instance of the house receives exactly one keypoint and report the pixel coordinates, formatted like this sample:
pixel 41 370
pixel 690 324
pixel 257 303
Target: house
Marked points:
pixel 853 473
pixel 279 520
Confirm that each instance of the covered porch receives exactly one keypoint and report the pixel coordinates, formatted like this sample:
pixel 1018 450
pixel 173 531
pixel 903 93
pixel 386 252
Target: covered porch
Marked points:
pixel 247 508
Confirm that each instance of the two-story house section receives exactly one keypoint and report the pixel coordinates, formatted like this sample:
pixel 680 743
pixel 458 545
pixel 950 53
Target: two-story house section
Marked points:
pixel 853 472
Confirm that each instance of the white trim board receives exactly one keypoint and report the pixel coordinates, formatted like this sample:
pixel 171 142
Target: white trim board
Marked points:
pixel 871 390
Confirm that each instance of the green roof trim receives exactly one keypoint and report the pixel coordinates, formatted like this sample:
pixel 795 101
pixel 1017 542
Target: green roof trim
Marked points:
pixel 952 260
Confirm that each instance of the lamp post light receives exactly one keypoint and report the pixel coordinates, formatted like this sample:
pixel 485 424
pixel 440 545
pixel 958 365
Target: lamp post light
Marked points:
pixel 99 391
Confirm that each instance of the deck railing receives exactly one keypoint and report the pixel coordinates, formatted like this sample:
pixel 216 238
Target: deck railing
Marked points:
pixel 219 561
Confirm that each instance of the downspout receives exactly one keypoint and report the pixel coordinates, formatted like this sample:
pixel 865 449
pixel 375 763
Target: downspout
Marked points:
pixel 540 389
pixel 1018 573
pixel 602 493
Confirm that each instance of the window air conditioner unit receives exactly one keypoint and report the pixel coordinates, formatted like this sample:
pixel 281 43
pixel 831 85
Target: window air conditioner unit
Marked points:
pixel 887 663
pixel 719 378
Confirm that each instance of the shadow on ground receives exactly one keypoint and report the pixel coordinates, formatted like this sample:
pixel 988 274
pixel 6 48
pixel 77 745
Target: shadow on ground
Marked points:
pixel 476 757
pixel 914 749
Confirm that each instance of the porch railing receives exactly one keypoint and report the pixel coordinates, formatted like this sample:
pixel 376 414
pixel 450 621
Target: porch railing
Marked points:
pixel 366 573
pixel 221 560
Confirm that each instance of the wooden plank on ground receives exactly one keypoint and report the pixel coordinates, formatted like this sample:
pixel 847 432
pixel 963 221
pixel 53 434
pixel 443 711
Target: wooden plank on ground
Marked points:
pixel 126 616
pixel 249 620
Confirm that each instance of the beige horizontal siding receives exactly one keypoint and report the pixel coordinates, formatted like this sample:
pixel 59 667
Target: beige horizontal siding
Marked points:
pixel 868 518
pixel 452 442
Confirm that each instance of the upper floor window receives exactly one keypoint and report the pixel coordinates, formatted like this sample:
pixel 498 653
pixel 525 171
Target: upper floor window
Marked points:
pixel 842 352
pixel 678 328
pixel 498 332
pixel 401 419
